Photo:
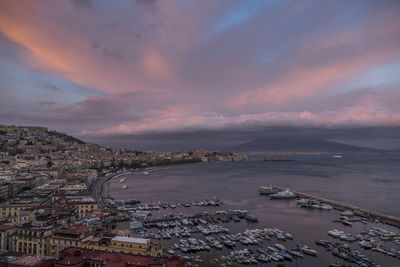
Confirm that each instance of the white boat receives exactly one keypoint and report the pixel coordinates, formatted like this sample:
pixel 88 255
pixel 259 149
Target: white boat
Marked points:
pixel 307 250
pixel 281 237
pixel 326 207
pixel 283 195
pixel 336 233
pixel 337 156
pixel 348 213
pixel 288 236
pixel 303 201
pixel 124 186
pixel 280 246
pixel 122 180
pixel 296 253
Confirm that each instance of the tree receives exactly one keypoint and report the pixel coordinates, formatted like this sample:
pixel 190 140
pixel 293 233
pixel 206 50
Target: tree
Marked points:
pixel 208 260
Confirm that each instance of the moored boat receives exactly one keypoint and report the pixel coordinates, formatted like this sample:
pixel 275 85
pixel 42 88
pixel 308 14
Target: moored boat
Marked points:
pixel 283 195
pixel 307 250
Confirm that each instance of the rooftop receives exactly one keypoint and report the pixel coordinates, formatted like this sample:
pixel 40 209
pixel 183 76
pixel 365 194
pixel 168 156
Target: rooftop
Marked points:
pixel 73 229
pixel 130 239
pixel 27 260
pixel 75 256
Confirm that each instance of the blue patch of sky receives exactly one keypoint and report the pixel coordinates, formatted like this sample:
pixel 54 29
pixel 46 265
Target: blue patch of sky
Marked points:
pixel 27 84
pixel 383 77
pixel 239 13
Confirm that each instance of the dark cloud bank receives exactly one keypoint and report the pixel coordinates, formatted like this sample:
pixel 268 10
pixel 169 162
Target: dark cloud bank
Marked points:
pixel 382 138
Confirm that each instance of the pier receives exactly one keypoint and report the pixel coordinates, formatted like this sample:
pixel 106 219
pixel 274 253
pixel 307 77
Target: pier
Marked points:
pixel 368 214
pixel 217 214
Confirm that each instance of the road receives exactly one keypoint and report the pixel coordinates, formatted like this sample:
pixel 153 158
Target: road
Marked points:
pixel 97 188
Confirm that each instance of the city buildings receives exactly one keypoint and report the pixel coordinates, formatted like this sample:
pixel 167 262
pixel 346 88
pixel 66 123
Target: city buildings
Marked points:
pixel 49 204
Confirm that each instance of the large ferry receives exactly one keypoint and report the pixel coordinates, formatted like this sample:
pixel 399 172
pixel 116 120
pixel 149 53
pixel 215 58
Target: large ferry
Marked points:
pixel 268 190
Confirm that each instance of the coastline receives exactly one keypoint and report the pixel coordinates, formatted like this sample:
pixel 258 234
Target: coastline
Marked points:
pixel 105 188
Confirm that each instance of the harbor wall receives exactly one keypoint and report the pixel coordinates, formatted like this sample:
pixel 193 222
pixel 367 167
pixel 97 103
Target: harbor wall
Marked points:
pixel 368 214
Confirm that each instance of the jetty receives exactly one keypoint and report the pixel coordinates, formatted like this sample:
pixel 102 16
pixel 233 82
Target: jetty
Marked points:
pixel 361 212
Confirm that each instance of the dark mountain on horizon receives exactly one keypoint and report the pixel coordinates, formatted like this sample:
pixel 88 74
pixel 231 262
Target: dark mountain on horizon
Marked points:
pixel 297 144
pixel 377 139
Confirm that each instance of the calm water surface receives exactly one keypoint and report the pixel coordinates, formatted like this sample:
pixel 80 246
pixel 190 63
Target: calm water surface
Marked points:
pixel 371 182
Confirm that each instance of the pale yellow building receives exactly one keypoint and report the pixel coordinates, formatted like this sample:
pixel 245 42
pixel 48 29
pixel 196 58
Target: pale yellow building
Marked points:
pixel 6 234
pixel 32 239
pixel 71 236
pixel 24 216
pixel 12 210
pixel 83 206
pixel 123 244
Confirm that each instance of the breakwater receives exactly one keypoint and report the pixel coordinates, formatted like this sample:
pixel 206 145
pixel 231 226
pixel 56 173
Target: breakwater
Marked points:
pixel 368 214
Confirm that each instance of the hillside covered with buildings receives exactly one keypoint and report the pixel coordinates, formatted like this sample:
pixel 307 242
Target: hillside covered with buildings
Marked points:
pixel 47 204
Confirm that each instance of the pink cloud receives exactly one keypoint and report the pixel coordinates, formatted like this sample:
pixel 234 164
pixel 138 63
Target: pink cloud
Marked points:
pixel 308 78
pixel 368 112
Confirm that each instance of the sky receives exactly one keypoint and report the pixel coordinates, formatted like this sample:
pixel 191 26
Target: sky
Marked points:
pixel 109 68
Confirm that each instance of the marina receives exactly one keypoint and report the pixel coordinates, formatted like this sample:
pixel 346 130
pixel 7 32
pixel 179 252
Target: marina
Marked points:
pixel 229 231
pixel 204 232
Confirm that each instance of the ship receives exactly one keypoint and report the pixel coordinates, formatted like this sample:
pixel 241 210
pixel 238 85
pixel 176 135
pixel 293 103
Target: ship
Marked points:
pixel 122 180
pixel 124 186
pixel 268 190
pixel 283 195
